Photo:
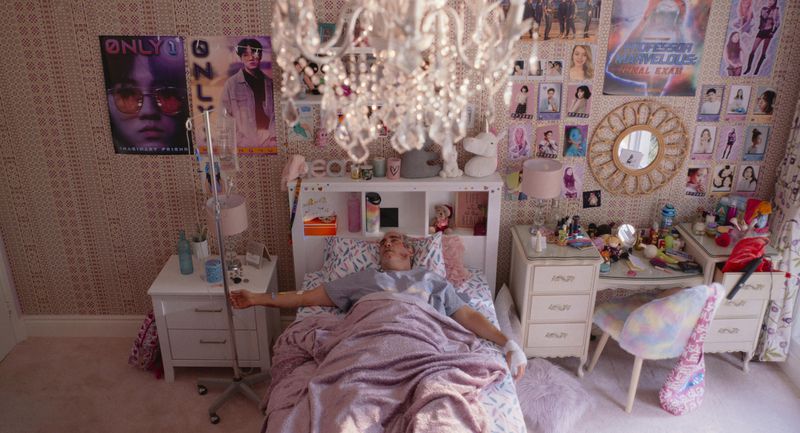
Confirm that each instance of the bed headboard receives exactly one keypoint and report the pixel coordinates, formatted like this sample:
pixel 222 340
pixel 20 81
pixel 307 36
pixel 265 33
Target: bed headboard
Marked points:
pixel 414 201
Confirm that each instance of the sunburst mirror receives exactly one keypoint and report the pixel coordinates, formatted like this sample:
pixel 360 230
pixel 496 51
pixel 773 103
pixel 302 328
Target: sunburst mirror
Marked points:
pixel 638 148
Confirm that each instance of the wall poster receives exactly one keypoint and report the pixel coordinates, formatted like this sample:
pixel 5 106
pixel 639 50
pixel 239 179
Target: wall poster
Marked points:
pixel 751 43
pixel 145 80
pixel 234 73
pixel 655 47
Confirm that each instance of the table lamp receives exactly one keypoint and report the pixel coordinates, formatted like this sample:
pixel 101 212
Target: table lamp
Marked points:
pixel 541 180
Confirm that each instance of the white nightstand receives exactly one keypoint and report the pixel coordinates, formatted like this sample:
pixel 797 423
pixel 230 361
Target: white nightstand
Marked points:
pixel 554 292
pixel 192 326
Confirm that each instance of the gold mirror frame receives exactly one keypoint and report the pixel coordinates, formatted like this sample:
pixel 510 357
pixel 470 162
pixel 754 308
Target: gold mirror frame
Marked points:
pixel 673 146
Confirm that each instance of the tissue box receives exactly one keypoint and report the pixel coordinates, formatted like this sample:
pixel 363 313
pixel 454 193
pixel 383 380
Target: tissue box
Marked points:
pixel 325 226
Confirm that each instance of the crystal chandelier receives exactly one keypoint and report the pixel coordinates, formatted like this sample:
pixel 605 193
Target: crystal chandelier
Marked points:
pixel 411 81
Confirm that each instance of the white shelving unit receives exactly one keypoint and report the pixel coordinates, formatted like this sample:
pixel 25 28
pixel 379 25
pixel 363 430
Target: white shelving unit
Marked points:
pixel 414 199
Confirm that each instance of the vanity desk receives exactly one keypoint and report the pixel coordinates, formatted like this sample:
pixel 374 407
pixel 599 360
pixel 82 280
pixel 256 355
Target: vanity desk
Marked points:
pixel 647 278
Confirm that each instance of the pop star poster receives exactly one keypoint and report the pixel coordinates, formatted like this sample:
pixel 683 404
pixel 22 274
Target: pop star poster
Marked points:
pixel 751 43
pixel 234 74
pixel 145 80
pixel 655 47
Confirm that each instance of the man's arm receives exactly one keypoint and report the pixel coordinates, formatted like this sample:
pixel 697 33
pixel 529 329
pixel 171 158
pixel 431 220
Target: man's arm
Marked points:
pixel 314 297
pixel 480 326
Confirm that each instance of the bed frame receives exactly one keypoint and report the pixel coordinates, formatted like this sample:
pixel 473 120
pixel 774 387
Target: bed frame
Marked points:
pixel 414 200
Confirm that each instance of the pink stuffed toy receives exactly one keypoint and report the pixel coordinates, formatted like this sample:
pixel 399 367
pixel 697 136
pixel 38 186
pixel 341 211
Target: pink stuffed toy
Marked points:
pixel 441 222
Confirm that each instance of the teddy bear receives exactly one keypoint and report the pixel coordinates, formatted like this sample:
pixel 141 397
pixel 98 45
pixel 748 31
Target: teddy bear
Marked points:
pixel 441 222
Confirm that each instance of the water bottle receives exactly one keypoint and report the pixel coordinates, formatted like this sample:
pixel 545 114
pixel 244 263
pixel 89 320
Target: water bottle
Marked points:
pixel 353 213
pixel 667 216
pixel 373 210
pixel 185 254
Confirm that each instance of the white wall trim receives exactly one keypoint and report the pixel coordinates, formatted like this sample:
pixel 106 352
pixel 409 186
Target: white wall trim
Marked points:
pixel 82 326
pixel 9 295
pixel 792 365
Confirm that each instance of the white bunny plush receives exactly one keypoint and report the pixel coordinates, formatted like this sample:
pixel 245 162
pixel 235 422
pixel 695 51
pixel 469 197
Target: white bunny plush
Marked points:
pixel 484 146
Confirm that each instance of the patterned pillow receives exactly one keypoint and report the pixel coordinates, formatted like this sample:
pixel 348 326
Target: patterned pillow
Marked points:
pixel 428 253
pixel 344 256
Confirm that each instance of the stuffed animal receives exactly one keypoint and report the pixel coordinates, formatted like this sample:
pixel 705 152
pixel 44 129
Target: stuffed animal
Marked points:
pixel 484 146
pixel 441 222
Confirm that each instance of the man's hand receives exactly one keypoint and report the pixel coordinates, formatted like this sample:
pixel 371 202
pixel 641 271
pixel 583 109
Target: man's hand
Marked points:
pixel 516 359
pixel 242 298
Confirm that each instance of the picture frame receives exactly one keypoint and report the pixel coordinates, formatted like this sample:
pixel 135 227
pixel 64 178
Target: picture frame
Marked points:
pixel 256 251
pixel 470 208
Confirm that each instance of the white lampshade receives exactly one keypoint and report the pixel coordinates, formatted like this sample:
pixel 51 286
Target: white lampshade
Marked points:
pixel 541 178
pixel 233 213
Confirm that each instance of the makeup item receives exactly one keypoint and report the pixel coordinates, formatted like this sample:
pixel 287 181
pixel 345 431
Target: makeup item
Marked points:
pixel 393 168
pixel 354 213
pixel 379 166
pixel 214 270
pixel 355 172
pixel 366 172
pixel 373 213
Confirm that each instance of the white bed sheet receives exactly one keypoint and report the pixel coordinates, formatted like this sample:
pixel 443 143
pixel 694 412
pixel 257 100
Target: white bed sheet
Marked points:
pixel 500 400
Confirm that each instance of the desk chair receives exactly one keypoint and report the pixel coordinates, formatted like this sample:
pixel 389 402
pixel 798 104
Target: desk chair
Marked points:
pixel 652 328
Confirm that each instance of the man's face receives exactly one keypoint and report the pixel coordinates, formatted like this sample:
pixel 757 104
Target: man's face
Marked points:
pixel 711 96
pixel 394 253
pixel 251 58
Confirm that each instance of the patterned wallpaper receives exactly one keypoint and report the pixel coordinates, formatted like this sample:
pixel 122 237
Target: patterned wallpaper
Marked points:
pixel 88 230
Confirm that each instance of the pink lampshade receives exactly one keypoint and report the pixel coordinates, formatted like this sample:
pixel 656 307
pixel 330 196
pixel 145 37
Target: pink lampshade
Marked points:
pixel 233 214
pixel 541 178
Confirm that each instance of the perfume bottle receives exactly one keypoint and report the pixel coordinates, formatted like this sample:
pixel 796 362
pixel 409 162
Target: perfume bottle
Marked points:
pixel 184 254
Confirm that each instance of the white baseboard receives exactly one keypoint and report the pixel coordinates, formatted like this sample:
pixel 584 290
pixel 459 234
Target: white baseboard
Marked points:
pixel 82 326
pixel 792 365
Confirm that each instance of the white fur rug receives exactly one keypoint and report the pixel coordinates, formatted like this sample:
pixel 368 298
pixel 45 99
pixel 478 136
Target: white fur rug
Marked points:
pixel 552 400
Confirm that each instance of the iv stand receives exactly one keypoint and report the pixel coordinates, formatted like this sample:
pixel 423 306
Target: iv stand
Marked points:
pixel 237 384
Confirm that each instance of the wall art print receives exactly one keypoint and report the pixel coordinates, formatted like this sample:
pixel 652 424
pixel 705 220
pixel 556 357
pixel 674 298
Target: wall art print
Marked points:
pixel 547 141
pixel 549 101
pixel 729 142
pixel 655 47
pixel 722 179
pixel 751 42
pixel 576 140
pixel 522 105
pixel 572 181
pixel 738 103
pixel 703 144
pixel 711 97
pixel 756 139
pixel 579 100
pixel 145 78
pixel 764 107
pixel 696 181
pixel 747 180
pixel 234 73
pixel 519 141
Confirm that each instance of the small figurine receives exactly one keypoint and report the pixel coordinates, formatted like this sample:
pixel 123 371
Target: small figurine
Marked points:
pixel 614 248
pixel 441 222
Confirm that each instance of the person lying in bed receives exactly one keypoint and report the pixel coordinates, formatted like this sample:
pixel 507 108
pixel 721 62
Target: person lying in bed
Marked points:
pixel 395 274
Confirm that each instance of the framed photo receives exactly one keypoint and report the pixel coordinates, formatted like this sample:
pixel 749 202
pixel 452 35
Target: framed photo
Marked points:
pixel 738 103
pixel 704 136
pixel 575 140
pixel 765 105
pixel 519 141
pixel 747 180
pixel 581 63
pixel 549 101
pixel 572 181
pixel 756 138
pixel 722 180
pixel 592 199
pixel 696 181
pixel 710 103
pixel 470 208
pixel 256 252
pixel 579 100
pixel 520 70
pixel 547 141
pixel 730 140
pixel 522 103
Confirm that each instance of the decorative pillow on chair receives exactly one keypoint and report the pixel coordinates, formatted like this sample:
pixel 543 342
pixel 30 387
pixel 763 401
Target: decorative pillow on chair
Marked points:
pixel 453 250
pixel 428 253
pixel 344 256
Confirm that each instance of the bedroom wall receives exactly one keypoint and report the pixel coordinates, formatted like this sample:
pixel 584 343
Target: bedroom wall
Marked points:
pixel 87 230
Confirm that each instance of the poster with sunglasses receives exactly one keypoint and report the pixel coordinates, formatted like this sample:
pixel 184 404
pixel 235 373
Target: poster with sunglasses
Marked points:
pixel 234 74
pixel 145 81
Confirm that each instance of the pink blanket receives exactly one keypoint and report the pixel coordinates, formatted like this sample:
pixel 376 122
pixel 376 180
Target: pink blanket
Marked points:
pixel 392 364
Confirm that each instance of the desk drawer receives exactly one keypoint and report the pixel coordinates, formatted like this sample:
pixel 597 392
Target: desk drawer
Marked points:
pixel 550 309
pixel 204 313
pixel 208 345
pixel 732 330
pixel 555 279
pixel 741 308
pixel 556 335
pixel 757 286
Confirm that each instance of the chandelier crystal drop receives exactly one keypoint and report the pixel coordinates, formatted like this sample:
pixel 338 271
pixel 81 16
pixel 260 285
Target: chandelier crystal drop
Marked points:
pixel 413 78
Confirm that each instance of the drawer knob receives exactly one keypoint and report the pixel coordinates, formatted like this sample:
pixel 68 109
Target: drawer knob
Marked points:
pixel 728 331
pixel 564 278
pixel 752 287
pixel 559 335
pixel 213 341
pixel 208 310
pixel 559 307
pixel 738 303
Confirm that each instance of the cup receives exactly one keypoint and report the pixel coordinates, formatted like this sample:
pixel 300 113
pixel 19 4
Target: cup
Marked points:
pixel 379 166
pixel 355 172
pixel 393 168
pixel 366 172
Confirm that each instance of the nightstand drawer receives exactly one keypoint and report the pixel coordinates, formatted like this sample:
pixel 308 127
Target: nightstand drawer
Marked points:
pixel 732 330
pixel 757 286
pixel 550 309
pixel 212 345
pixel 741 308
pixel 205 313
pixel 550 279
pixel 555 335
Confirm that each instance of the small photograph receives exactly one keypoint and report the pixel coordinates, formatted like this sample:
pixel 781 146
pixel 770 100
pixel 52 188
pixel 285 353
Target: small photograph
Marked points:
pixel 554 68
pixel 765 105
pixel 747 181
pixel 520 70
pixel 512 180
pixel 575 140
pixel 756 138
pixel 522 102
pixel 591 199
pixel 696 181
pixel 579 102
pixel 536 68
pixel 549 101
pixel 581 63
pixel 730 141
pixel 572 183
pixel 710 103
pixel 519 141
pixel 703 147
pixel 310 75
pixel 738 103
pixel 547 139
pixel 326 31
pixel 303 130
pixel 722 181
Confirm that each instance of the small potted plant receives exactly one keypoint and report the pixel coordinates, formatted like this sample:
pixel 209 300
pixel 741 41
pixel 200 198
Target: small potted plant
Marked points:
pixel 200 242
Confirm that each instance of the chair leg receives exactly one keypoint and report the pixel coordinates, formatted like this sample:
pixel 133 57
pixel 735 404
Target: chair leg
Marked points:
pixel 637 369
pixel 600 346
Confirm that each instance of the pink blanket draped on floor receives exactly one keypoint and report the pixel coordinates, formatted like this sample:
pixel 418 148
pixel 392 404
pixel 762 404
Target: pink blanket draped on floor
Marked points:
pixel 392 364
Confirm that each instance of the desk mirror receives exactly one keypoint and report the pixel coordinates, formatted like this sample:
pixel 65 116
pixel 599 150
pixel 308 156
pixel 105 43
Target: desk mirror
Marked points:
pixel 637 148
pixel 627 235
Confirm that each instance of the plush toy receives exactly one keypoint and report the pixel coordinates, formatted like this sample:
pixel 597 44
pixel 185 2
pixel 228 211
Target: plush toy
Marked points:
pixel 441 222
pixel 484 146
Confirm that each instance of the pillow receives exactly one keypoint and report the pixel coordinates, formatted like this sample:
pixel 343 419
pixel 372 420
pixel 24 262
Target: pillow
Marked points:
pixel 428 253
pixel 344 256
pixel 507 318
pixel 453 252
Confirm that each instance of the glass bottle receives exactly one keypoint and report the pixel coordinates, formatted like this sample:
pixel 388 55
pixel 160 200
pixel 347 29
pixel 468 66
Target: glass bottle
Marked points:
pixel 184 254
pixel 353 213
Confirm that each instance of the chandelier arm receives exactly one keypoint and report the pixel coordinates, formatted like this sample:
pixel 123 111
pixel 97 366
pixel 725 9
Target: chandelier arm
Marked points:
pixel 314 57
